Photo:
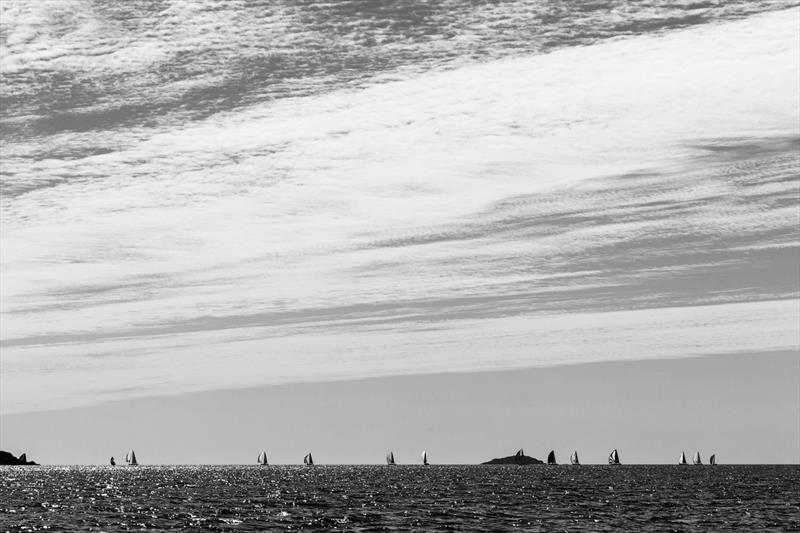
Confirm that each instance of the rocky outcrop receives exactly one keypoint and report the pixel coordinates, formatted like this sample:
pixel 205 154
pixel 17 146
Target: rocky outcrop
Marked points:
pixel 518 458
pixel 8 459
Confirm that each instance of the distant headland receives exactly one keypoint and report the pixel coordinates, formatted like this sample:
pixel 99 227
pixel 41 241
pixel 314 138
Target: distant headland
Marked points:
pixel 9 459
pixel 518 458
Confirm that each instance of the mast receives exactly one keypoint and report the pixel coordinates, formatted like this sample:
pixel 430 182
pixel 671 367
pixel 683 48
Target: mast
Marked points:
pixel 551 458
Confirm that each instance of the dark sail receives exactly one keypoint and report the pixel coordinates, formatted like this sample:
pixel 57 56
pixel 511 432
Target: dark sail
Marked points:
pixel 308 459
pixel 682 460
pixel 574 458
pixel 551 458
pixel 390 458
pixel 712 460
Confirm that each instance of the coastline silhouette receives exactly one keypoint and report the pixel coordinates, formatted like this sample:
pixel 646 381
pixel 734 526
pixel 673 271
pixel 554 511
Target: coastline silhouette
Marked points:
pixel 7 458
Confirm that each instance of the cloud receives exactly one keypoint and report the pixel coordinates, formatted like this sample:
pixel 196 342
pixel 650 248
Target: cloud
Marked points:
pixel 88 372
pixel 653 172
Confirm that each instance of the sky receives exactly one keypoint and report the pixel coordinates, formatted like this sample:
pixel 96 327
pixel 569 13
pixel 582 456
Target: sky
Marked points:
pixel 741 408
pixel 437 216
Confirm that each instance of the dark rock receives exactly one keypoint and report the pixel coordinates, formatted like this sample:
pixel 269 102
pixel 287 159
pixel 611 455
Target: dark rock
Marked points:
pixel 518 458
pixel 8 459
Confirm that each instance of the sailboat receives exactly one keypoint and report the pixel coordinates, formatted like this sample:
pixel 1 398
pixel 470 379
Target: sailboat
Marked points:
pixel 519 453
pixel 262 459
pixel 573 459
pixel 613 457
pixel 130 458
pixel 425 457
pixel 696 460
pixel 308 460
pixel 113 462
pixel 712 460
pixel 390 458
pixel 682 460
pixel 551 458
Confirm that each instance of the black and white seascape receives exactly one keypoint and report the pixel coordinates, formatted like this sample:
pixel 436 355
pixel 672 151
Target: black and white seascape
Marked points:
pixel 360 233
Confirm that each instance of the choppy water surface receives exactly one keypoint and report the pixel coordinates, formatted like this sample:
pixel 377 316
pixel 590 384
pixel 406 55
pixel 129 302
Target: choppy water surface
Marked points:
pixel 376 498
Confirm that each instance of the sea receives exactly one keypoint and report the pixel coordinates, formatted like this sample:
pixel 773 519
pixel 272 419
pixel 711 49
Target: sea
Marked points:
pixel 470 498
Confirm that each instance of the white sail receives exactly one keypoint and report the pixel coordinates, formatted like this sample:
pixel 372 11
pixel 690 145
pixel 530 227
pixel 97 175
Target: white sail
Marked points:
pixel 574 458
pixel 613 457
pixel 390 458
pixel 130 458
pixel 308 459
pixel 424 457
pixel 262 458
pixel 696 460
pixel 682 460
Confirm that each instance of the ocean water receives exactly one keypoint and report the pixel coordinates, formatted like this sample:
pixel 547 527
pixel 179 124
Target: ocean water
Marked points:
pixel 401 498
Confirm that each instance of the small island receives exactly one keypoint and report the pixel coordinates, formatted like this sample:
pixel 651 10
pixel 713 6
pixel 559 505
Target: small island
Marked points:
pixel 518 458
pixel 9 459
